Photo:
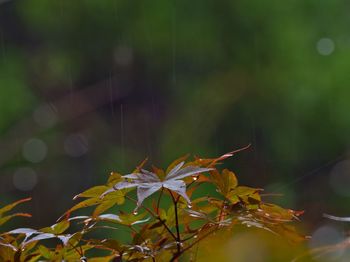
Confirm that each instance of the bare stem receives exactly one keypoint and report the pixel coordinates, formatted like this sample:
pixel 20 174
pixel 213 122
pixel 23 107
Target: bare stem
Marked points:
pixel 178 254
pixel 178 238
pixel 158 203
pixel 156 217
pixel 222 215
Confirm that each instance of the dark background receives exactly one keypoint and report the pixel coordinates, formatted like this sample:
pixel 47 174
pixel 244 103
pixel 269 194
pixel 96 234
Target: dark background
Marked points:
pixel 87 87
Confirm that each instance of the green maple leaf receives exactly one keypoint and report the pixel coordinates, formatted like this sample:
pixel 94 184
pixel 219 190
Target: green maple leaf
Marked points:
pixel 148 182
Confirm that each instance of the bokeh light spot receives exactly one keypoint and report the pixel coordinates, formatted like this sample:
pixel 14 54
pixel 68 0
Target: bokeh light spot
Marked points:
pixel 45 116
pixel 76 145
pixel 324 236
pixel 325 46
pixel 25 179
pixel 34 150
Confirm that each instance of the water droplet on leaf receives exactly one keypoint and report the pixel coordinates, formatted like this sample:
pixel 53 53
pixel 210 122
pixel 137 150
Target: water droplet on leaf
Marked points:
pixel 179 243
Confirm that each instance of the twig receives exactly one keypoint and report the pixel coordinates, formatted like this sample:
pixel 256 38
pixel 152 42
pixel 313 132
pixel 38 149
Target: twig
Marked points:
pixel 178 239
pixel 155 216
pixel 160 196
pixel 177 255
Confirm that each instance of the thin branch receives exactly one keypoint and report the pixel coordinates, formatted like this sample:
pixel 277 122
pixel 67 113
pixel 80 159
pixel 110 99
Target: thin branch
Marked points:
pixel 177 255
pixel 160 196
pixel 178 240
pixel 222 215
pixel 155 216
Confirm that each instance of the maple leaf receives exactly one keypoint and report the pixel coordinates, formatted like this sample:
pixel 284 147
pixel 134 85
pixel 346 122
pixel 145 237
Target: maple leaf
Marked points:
pixel 148 182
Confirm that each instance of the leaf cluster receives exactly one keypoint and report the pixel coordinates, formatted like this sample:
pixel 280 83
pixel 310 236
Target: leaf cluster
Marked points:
pixel 171 216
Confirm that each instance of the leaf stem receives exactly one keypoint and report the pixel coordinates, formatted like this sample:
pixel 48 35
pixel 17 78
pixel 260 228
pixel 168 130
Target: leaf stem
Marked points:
pixel 156 217
pixel 222 216
pixel 178 254
pixel 178 239
pixel 158 203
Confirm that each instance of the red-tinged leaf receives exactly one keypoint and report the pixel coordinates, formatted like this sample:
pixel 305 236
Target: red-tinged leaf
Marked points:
pixel 116 196
pixel 114 178
pixel 85 203
pixel 96 191
pixel 196 180
pixel 159 172
pixel 140 166
pixel 230 179
pixel 176 162
pixel 105 205
pixel 114 191
pixel 298 212
pixel 4 219
pixel 248 195
pixel 225 182
pixel 11 206
pixel 27 248
pixel 110 244
pixel 211 162
pixel 74 239
pixel 74 254
pixel 58 228
pixel 276 213
pixel 229 154
pixel 201 178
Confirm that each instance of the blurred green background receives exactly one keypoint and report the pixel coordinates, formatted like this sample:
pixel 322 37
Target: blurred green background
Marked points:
pixel 87 87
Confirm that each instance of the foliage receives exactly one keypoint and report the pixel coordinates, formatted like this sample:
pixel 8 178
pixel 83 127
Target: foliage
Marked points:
pixel 162 231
